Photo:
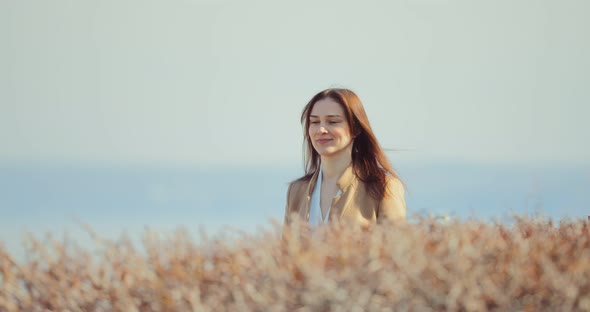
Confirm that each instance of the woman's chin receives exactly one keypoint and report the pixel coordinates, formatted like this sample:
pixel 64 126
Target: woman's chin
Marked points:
pixel 328 153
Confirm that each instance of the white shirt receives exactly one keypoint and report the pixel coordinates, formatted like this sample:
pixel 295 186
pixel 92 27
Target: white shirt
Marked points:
pixel 315 212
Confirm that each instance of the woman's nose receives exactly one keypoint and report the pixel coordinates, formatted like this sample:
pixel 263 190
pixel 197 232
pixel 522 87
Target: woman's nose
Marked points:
pixel 322 129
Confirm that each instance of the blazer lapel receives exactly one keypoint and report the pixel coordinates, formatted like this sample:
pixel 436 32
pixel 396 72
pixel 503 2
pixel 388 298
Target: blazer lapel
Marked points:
pixel 340 202
pixel 304 212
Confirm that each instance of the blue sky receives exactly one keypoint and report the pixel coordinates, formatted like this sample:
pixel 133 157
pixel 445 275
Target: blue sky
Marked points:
pixel 222 83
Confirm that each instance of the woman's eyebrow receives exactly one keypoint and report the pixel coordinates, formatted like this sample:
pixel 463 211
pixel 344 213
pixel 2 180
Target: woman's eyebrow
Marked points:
pixel 314 116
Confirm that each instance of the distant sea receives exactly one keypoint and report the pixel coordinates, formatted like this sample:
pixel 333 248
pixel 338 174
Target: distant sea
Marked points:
pixel 114 200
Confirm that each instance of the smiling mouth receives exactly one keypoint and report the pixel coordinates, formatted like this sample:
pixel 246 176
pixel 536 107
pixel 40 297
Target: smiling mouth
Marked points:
pixel 323 141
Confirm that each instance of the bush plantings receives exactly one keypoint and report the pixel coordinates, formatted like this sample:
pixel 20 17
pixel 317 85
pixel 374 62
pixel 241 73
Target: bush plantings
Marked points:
pixel 530 264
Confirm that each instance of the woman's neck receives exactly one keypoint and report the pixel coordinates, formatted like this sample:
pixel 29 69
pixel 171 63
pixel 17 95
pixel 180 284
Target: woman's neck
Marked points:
pixel 334 166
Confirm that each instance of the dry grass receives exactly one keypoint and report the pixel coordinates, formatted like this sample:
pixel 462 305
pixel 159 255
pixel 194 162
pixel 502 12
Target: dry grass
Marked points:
pixel 531 265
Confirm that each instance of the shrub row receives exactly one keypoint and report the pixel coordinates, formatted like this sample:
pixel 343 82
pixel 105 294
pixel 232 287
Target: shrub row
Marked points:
pixel 530 265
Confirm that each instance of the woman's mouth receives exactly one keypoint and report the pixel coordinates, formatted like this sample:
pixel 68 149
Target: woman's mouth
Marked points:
pixel 323 141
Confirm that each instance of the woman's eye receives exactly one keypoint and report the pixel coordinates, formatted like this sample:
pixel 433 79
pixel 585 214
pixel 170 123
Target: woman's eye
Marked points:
pixel 334 121
pixel 313 122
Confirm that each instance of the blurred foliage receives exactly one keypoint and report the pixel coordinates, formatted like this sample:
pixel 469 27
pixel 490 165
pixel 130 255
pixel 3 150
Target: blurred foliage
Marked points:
pixel 530 265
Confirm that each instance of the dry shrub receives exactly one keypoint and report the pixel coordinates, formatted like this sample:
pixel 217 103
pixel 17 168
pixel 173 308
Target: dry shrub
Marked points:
pixel 530 265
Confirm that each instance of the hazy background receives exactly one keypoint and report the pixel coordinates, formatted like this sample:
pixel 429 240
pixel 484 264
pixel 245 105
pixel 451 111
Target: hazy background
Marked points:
pixel 178 101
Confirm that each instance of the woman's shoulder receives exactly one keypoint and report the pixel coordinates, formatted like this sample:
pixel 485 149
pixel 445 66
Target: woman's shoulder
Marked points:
pixel 393 181
pixel 394 185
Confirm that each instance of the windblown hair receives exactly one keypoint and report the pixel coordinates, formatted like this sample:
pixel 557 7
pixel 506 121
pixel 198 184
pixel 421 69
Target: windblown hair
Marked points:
pixel 369 162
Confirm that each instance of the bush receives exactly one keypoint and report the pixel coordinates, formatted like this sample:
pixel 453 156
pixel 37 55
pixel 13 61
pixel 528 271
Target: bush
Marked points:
pixel 530 265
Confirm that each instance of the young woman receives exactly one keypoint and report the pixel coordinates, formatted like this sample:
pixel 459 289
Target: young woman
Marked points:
pixel 347 175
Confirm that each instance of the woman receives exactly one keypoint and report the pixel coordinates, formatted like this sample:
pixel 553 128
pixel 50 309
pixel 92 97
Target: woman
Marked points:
pixel 347 175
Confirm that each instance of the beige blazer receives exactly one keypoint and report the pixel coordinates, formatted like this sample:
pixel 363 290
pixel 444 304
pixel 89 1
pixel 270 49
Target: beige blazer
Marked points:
pixel 353 204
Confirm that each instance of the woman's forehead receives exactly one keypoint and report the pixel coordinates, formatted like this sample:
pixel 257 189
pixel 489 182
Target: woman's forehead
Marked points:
pixel 327 107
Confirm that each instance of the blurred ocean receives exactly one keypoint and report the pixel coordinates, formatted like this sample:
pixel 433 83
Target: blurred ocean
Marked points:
pixel 113 200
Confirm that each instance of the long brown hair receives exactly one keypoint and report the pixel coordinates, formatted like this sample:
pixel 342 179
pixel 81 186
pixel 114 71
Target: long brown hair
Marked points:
pixel 369 162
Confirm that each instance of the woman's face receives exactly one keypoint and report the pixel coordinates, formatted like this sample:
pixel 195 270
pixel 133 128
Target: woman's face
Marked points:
pixel 328 129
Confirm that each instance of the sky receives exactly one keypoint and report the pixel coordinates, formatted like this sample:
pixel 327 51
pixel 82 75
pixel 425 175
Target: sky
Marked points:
pixel 223 83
